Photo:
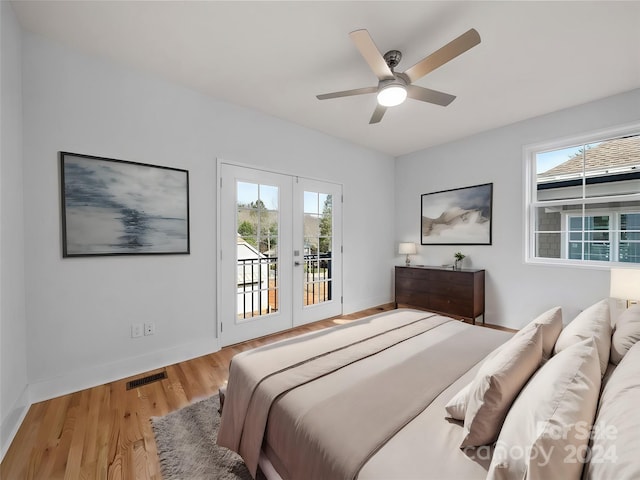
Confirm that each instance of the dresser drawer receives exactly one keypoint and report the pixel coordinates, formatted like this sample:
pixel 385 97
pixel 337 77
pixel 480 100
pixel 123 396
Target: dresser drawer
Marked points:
pixel 451 306
pixel 451 290
pixel 408 284
pixel 413 273
pixel 452 277
pixel 422 301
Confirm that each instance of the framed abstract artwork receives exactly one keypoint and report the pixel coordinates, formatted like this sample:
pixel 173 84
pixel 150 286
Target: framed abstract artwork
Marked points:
pixel 116 207
pixel 461 216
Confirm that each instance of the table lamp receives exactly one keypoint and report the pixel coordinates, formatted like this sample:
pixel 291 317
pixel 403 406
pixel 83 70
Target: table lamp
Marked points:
pixel 408 248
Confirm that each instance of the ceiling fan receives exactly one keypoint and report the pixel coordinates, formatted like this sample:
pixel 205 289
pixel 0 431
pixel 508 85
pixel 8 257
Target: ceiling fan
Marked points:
pixel 394 87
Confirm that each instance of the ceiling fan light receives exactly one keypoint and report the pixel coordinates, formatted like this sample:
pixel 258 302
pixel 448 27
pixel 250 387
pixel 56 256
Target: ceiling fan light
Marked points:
pixel 392 95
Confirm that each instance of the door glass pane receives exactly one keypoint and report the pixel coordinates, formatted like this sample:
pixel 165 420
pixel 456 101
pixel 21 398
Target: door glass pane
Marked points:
pixel 257 249
pixel 318 247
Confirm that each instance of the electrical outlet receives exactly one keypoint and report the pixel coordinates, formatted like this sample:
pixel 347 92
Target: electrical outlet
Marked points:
pixel 149 328
pixel 136 330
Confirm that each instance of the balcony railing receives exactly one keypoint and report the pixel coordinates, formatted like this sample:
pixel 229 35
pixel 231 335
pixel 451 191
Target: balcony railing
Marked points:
pixel 318 278
pixel 258 283
pixel 257 286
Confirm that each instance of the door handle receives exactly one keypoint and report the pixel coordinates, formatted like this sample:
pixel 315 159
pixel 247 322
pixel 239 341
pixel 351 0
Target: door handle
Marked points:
pixel 296 263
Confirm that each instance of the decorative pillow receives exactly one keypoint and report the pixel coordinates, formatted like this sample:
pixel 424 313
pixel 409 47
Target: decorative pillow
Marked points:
pixel 551 323
pixel 616 443
pixel 457 406
pixel 551 326
pixel 496 385
pixel 592 322
pixel 626 333
pixel 547 429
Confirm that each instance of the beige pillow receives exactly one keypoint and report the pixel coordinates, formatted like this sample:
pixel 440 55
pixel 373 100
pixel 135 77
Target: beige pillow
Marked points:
pixel 593 322
pixel 551 323
pixel 626 333
pixel 496 385
pixel 551 326
pixel 616 440
pixel 547 428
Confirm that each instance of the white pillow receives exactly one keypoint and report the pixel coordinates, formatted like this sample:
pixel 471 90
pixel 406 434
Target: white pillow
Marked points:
pixel 547 429
pixel 626 333
pixel 616 440
pixel 592 322
pixel 496 385
pixel 457 406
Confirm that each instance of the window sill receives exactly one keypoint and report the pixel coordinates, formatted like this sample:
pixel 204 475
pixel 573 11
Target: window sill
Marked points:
pixel 561 262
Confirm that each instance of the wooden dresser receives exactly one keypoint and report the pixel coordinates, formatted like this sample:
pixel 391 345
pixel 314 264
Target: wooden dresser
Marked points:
pixel 455 293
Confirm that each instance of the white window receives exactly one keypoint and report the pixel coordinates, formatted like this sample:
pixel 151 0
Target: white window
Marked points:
pixel 583 200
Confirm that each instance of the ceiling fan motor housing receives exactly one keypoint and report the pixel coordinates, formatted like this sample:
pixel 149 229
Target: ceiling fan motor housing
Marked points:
pixel 399 79
pixel 393 57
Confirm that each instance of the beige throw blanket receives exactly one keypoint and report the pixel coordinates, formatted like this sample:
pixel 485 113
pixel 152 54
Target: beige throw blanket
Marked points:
pixel 336 436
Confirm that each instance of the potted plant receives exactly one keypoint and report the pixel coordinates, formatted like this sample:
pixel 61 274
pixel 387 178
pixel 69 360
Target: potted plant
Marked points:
pixel 459 256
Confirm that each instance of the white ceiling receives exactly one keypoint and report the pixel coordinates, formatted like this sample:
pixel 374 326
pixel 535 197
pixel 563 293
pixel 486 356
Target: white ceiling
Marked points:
pixel 535 57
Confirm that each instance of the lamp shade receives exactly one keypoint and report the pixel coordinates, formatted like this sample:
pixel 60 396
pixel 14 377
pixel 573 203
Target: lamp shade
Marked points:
pixel 625 283
pixel 408 248
pixel 392 95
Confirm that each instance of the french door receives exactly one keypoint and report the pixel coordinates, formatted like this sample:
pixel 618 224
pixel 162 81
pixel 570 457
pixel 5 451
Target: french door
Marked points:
pixel 317 254
pixel 280 252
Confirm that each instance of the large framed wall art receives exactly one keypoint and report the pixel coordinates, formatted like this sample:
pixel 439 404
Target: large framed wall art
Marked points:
pixel 461 216
pixel 117 207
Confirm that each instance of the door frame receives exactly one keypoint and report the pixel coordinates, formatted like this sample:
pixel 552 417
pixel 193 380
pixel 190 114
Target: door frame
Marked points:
pixel 218 235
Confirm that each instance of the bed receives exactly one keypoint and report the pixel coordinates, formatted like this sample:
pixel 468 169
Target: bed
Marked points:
pixel 358 399
pixel 367 400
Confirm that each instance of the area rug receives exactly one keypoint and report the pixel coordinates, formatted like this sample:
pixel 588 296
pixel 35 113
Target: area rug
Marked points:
pixel 186 441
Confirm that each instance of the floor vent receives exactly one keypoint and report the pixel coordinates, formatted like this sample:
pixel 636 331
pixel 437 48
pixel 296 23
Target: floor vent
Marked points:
pixel 146 380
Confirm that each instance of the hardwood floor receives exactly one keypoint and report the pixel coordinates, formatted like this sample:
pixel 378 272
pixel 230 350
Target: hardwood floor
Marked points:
pixel 105 433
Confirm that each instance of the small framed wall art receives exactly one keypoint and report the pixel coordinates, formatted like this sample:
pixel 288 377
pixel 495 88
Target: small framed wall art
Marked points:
pixel 461 216
pixel 117 207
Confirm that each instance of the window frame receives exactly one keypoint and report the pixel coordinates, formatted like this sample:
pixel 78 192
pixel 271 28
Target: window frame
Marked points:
pixel 531 203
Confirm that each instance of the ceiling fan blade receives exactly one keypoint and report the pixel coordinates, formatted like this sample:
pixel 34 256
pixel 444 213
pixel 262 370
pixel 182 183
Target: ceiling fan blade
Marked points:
pixel 428 95
pixel 371 54
pixel 378 113
pixel 445 54
pixel 347 93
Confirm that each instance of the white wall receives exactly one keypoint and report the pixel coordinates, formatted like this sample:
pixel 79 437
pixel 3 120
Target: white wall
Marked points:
pixel 13 339
pixel 515 292
pixel 80 309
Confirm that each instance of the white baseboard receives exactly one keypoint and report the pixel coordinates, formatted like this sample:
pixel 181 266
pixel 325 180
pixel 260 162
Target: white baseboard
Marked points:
pixel 123 368
pixel 11 423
